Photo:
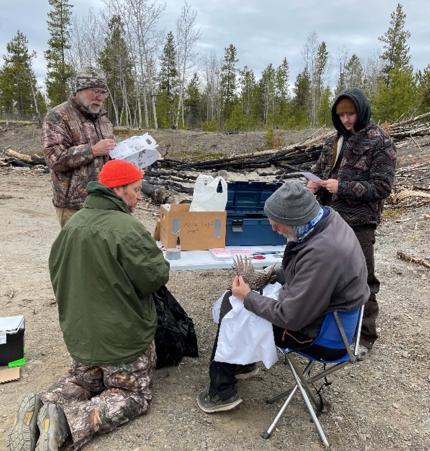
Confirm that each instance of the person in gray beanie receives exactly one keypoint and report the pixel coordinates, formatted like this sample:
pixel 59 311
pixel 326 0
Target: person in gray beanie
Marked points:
pixel 323 269
pixel 77 139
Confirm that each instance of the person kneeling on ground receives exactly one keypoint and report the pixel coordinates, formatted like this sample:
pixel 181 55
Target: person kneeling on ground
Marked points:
pixel 104 267
pixel 323 269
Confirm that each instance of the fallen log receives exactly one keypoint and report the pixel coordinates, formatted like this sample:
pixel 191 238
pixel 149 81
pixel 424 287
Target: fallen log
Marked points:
pixel 24 158
pixel 411 259
pixel 158 195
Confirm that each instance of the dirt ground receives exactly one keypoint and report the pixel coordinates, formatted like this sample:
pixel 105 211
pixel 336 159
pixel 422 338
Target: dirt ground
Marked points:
pixel 381 403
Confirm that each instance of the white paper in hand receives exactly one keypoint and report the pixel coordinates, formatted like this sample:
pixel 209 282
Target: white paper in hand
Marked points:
pixel 139 150
pixel 311 177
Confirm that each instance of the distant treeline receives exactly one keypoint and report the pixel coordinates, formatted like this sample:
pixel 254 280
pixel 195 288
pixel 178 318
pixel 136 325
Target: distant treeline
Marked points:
pixel 154 80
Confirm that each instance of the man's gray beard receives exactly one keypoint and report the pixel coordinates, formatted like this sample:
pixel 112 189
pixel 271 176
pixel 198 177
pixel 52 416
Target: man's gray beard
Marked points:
pixel 94 110
pixel 89 108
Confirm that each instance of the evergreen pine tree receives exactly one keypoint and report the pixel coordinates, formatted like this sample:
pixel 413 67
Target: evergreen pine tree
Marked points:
pixel 423 90
pixel 354 73
pixel 168 84
pixel 396 50
pixel 397 90
pixel 117 67
pixel 397 99
pixel 248 98
pixel 59 72
pixel 301 100
pixel 18 92
pixel 324 111
pixel 317 80
pixel 281 106
pixel 228 81
pixel 193 103
pixel 268 90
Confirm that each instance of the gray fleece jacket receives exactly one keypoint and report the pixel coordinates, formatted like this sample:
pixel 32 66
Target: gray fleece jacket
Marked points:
pixel 325 272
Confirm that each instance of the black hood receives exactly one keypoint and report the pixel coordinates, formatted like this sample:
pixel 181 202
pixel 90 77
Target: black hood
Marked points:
pixel 362 105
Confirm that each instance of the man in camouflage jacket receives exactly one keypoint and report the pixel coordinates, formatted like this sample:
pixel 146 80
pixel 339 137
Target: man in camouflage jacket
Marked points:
pixel 77 138
pixel 357 170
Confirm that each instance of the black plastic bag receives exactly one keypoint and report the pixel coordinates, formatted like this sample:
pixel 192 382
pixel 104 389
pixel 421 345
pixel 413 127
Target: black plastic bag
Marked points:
pixel 175 337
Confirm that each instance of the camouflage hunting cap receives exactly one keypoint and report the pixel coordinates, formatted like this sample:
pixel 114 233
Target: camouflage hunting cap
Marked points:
pixel 89 78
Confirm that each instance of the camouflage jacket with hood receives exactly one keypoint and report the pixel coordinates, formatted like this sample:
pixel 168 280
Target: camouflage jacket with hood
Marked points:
pixel 69 131
pixel 364 166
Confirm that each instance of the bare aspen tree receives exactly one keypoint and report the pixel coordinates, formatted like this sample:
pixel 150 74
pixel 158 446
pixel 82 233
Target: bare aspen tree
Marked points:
pixel 372 75
pixel 316 58
pixel 212 88
pixel 144 17
pixel 186 37
pixel 86 39
pixel 141 19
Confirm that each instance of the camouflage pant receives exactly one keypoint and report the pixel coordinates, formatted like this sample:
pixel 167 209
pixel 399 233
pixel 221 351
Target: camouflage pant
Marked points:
pixel 98 399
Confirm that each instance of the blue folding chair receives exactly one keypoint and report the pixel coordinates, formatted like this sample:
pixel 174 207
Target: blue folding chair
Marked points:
pixel 339 330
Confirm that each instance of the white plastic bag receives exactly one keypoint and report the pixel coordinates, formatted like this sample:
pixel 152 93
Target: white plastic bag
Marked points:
pixel 139 150
pixel 243 336
pixel 210 194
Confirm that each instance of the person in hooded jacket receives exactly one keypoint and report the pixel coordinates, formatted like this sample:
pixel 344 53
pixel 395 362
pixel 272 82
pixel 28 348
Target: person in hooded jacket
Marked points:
pixel 357 168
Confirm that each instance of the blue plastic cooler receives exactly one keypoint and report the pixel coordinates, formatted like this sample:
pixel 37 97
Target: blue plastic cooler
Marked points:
pixel 247 224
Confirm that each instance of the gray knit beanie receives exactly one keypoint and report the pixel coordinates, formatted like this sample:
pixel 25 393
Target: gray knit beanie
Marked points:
pixel 292 204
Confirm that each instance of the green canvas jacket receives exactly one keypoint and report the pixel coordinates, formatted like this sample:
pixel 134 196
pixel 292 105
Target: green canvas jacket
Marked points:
pixel 104 266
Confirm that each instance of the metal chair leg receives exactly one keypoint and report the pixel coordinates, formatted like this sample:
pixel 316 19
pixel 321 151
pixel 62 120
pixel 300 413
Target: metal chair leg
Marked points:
pixel 309 405
pixel 304 382
pixel 268 433
pixel 285 393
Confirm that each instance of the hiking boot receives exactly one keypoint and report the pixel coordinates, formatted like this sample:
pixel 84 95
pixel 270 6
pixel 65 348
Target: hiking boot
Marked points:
pixel 363 352
pixel 215 404
pixel 53 428
pixel 24 433
pixel 246 371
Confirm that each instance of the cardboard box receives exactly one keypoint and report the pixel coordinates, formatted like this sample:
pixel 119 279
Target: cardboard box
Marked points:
pixel 197 230
pixel 9 374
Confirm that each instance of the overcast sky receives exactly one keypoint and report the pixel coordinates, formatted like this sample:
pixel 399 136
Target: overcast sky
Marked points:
pixel 263 31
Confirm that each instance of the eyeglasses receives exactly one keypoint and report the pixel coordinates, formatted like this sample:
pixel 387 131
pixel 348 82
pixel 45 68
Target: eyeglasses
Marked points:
pixel 99 92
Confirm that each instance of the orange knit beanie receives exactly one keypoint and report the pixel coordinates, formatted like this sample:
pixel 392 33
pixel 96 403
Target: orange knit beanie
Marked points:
pixel 116 173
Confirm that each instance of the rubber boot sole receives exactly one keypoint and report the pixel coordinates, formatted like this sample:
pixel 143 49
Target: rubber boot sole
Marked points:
pixel 24 433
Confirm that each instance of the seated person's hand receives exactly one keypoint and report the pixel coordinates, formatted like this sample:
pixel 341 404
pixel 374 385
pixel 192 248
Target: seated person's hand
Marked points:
pixel 313 186
pixel 239 288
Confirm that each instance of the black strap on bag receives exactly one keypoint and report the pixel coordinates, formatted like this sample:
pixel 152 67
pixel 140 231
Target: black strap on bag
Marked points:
pixel 175 337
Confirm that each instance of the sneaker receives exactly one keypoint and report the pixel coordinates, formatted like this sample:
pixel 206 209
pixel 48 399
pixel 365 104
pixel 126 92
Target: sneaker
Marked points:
pixel 363 352
pixel 24 433
pixel 53 428
pixel 246 371
pixel 215 404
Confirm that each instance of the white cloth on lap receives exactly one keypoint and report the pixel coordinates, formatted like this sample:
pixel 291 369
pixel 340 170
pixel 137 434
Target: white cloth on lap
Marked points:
pixel 245 337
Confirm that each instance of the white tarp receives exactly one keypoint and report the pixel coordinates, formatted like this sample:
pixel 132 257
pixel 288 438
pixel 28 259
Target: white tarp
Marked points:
pixel 245 337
